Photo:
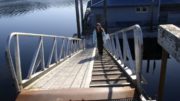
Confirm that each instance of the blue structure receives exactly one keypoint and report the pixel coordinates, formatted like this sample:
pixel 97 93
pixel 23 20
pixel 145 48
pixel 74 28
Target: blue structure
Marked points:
pixel 124 13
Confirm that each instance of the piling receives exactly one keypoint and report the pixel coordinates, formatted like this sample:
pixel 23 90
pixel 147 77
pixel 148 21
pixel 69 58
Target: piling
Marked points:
pixel 82 22
pixel 77 18
pixel 162 75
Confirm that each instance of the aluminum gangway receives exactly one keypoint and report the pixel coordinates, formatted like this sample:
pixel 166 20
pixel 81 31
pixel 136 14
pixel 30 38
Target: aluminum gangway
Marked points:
pixel 72 71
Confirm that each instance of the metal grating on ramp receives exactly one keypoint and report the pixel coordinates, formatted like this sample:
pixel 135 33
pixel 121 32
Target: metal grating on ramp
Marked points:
pixel 107 74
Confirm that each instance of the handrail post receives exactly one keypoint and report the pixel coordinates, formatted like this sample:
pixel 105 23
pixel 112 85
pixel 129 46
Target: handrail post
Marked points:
pixel 111 46
pixel 84 41
pixel 52 51
pixel 34 59
pixel 67 53
pixel 138 54
pixel 115 47
pixel 62 49
pixel 118 47
pixel 112 51
pixel 70 48
pixel 124 49
pixel 42 54
pixel 79 46
pixel 18 61
pixel 55 50
pixel 81 43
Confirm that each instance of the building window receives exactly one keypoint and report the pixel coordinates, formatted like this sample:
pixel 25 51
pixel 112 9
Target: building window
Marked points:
pixel 138 9
pixel 144 9
pixel 141 9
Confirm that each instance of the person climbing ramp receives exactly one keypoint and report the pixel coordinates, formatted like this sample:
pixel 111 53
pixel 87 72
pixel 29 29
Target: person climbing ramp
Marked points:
pixel 99 35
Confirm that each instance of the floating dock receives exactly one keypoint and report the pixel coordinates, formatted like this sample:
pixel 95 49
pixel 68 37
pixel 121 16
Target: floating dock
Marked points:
pixel 75 72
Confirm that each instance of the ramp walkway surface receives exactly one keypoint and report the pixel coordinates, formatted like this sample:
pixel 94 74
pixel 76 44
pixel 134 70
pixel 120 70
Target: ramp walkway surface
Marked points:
pixel 72 73
pixel 84 76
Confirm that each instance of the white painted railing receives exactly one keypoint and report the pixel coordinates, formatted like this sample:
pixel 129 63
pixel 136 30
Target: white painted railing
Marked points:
pixel 69 46
pixel 121 51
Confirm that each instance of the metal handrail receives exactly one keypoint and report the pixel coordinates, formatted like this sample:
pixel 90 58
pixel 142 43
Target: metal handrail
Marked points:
pixel 73 46
pixel 96 3
pixel 113 45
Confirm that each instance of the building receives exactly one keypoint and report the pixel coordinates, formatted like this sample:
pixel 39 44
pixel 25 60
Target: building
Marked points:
pixel 123 13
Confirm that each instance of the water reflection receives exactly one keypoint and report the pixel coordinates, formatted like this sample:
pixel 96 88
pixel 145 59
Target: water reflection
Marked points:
pixel 19 7
pixel 153 66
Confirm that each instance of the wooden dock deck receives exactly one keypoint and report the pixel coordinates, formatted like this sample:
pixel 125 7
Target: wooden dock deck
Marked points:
pixel 82 77
pixel 79 74
pixel 73 73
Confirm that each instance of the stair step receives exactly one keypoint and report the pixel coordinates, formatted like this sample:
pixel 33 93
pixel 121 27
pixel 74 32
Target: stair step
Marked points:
pixel 105 63
pixel 106 66
pixel 107 76
pixel 109 79
pixel 110 85
pixel 103 59
pixel 107 73
pixel 105 69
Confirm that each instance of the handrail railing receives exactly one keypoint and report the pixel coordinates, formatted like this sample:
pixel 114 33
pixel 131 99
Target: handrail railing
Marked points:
pixel 69 46
pixel 96 3
pixel 113 45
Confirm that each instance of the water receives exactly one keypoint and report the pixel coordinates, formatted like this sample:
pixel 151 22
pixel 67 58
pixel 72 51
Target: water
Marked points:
pixel 172 83
pixel 151 72
pixel 55 17
pixel 58 17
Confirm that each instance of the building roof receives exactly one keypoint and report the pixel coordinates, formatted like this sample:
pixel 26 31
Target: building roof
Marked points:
pixel 114 3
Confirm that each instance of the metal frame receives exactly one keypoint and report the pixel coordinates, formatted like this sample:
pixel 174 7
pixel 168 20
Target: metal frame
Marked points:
pixel 74 45
pixel 114 47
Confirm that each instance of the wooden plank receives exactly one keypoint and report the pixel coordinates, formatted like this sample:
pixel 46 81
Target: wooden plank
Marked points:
pixel 47 81
pixel 77 94
pixel 110 85
pixel 87 79
pixel 70 73
pixel 169 39
pixel 61 77
pixel 73 75
pixel 107 66
pixel 109 82
pixel 106 70
pixel 39 83
pixel 108 73
pixel 107 77
pixel 101 78
pixel 77 81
